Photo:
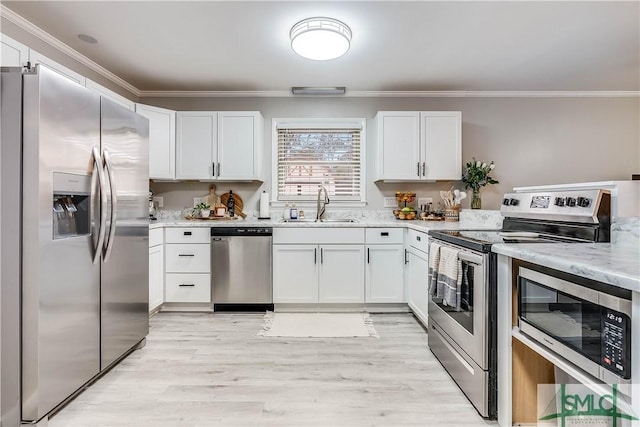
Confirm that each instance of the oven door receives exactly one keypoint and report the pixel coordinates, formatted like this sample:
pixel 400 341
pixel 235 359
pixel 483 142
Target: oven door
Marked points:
pixel 468 327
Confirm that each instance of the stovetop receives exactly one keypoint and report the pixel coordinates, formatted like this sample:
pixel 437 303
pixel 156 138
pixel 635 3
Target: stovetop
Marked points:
pixel 481 240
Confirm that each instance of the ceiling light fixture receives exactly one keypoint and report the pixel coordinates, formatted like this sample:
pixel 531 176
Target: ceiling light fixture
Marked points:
pixel 306 90
pixel 320 38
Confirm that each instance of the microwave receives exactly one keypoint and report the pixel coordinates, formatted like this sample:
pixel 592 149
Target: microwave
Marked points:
pixel 587 323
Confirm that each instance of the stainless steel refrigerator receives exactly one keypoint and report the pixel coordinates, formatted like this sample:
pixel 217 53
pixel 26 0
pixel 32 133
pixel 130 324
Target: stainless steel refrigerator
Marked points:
pixel 74 185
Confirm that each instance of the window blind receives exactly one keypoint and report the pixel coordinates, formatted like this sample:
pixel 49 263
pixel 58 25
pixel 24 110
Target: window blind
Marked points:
pixel 308 158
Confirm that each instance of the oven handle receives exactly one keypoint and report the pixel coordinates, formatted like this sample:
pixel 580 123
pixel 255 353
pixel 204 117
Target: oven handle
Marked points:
pixel 473 259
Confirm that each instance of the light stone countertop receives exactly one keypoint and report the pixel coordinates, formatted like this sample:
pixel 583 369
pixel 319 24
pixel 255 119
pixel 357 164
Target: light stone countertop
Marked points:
pixel 414 225
pixel 469 220
pixel 617 265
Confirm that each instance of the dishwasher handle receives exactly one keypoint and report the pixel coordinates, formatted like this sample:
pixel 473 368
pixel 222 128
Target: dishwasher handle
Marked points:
pixel 219 240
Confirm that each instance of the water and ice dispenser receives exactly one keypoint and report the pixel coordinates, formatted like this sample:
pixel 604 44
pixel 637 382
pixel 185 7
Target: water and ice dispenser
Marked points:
pixel 71 205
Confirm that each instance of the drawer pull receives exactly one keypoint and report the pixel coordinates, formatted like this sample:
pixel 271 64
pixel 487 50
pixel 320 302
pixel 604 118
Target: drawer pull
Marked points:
pixel 187 285
pixel 187 233
pixel 418 238
pixel 384 233
pixel 186 254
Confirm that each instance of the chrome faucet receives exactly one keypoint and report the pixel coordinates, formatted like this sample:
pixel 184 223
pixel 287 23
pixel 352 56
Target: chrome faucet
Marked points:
pixel 324 203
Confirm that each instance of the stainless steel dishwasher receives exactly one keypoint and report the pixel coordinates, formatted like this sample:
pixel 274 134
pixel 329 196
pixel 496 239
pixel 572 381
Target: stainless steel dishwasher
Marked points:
pixel 241 268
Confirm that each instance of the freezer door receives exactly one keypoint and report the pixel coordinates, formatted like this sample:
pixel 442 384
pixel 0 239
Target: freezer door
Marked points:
pixel 60 281
pixel 125 266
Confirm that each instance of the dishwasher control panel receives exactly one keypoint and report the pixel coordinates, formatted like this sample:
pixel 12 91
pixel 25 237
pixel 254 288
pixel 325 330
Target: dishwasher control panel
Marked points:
pixel 241 231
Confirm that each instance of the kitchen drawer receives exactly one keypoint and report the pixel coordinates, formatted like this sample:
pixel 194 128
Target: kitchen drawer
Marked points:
pixel 188 235
pixel 187 258
pixel 384 235
pixel 418 240
pixel 318 235
pixel 156 237
pixel 187 288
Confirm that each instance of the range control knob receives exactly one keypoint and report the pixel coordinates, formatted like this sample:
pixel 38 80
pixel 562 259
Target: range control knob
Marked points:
pixel 559 201
pixel 514 202
pixel 584 202
pixel 505 202
pixel 571 201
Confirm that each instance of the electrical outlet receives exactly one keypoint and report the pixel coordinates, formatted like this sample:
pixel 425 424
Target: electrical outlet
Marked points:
pixel 425 200
pixel 197 201
pixel 390 202
pixel 159 201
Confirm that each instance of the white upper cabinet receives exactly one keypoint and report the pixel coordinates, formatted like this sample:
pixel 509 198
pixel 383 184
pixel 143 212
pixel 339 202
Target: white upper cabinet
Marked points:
pixel 441 145
pixel 218 145
pixel 38 58
pixel 398 145
pixel 109 94
pixel 162 141
pixel 12 53
pixel 239 147
pixel 196 141
pixel 418 146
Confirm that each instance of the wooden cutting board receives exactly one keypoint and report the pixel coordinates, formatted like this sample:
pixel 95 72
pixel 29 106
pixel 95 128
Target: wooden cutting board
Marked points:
pixel 238 203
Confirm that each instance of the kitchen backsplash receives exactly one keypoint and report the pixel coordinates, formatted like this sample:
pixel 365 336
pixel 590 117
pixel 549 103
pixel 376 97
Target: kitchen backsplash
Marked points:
pixel 179 195
pixel 625 231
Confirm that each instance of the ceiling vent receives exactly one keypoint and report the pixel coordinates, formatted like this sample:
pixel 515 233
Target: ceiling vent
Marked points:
pixel 302 90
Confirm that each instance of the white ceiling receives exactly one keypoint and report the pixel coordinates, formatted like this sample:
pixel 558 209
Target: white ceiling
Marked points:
pixel 396 46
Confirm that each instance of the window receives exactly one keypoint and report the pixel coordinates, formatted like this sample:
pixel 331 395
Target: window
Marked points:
pixel 311 154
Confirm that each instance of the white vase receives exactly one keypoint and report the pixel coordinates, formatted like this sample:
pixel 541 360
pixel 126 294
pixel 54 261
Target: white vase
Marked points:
pixel 204 213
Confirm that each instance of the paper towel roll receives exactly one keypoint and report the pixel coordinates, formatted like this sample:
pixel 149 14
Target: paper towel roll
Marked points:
pixel 264 205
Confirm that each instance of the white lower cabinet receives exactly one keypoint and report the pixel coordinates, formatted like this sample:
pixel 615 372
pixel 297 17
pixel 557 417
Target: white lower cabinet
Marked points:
pixel 156 269
pixel 417 280
pixel 318 273
pixel 318 265
pixel 384 274
pixel 341 274
pixel 295 273
pixel 187 265
pixel 185 287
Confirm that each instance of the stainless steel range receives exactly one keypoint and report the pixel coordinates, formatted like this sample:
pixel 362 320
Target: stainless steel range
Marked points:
pixel 462 333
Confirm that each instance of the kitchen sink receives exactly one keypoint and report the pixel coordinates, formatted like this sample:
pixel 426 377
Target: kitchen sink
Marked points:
pixel 331 221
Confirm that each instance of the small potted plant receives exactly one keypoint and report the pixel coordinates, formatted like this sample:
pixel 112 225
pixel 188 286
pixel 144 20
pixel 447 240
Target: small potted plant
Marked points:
pixel 476 175
pixel 203 209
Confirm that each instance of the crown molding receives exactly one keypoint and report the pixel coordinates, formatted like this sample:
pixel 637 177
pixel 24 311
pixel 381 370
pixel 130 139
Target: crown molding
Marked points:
pixel 38 32
pixel 390 94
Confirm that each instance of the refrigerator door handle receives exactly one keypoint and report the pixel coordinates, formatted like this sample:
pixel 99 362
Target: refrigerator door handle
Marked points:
pixel 97 160
pixel 114 203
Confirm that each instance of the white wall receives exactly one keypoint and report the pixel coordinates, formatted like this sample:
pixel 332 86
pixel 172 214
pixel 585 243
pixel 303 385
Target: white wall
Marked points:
pixel 534 141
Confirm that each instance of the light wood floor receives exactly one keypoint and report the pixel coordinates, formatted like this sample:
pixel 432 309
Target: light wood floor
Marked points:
pixel 212 370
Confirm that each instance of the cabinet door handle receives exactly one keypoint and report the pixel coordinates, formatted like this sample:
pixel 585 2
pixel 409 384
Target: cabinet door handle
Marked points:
pixel 406 260
pixel 418 238
pixel 187 233
pixel 187 285
pixel 367 255
pixel 423 168
pixel 186 255
pixel 213 165
pixel 418 168
pixel 219 169
pixel 384 233
pixel 321 255
pixel 315 255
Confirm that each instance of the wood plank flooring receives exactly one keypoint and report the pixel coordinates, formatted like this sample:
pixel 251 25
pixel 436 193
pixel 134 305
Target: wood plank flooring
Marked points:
pixel 213 370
